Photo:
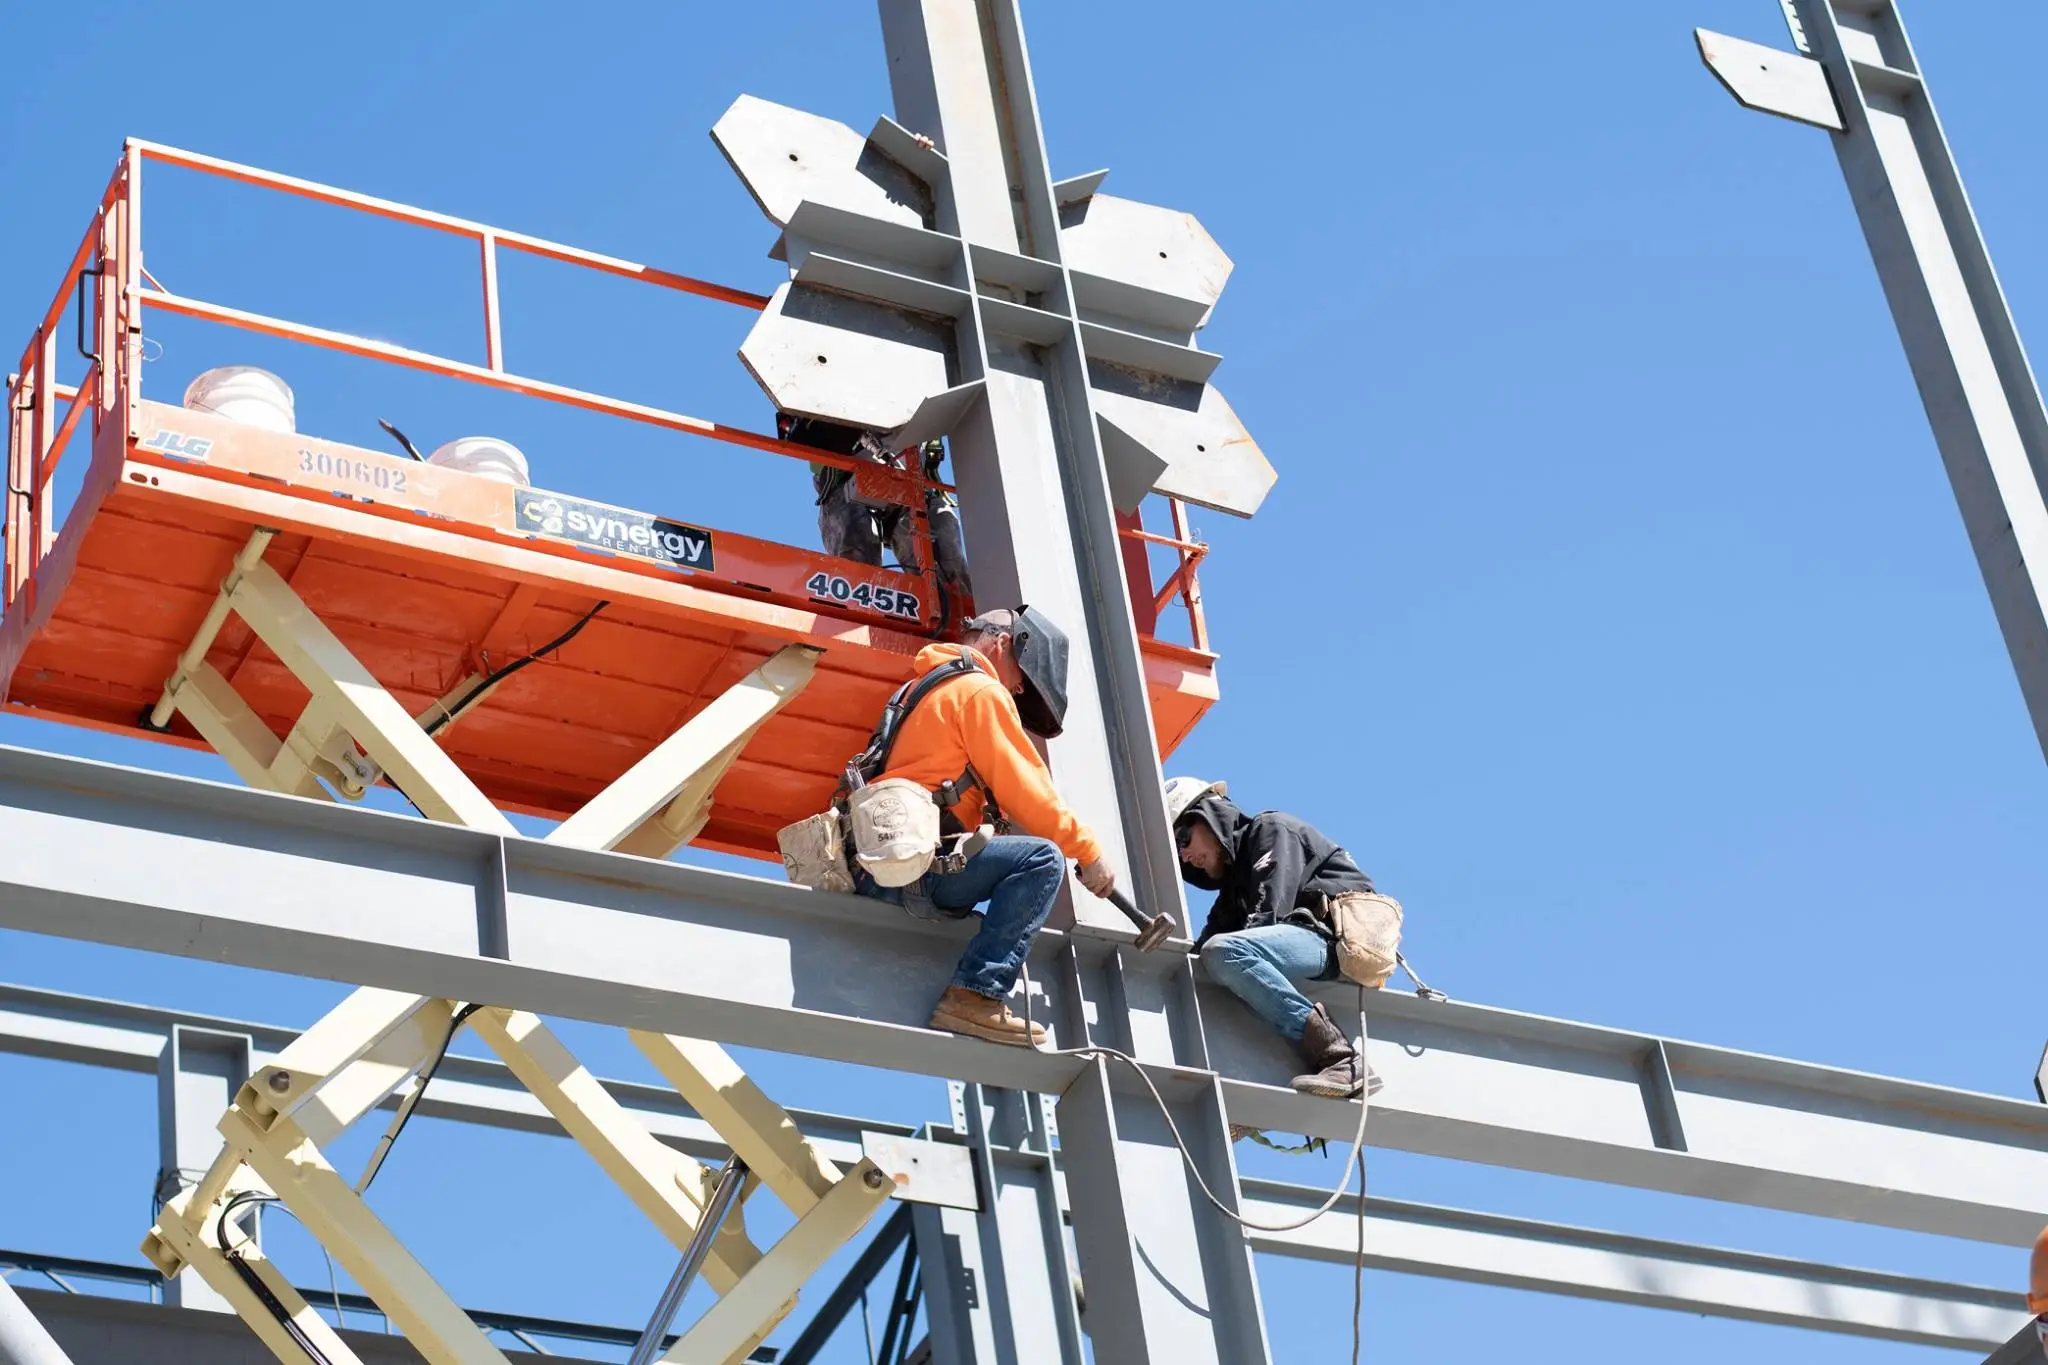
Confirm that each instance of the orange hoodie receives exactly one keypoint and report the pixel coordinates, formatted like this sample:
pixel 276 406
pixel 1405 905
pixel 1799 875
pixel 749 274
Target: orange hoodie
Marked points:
pixel 973 720
pixel 2037 1278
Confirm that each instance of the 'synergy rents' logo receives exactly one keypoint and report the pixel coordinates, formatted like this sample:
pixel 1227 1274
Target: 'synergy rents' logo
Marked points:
pixel 614 529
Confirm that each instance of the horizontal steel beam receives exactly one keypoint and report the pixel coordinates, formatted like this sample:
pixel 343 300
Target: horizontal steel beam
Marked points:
pixel 197 869
pixel 1410 1238
pixel 1519 1253
pixel 120 1036
pixel 100 1330
pixel 99 1278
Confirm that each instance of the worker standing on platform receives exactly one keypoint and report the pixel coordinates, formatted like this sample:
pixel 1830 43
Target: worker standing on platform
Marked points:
pixel 857 530
pixel 963 734
pixel 1291 907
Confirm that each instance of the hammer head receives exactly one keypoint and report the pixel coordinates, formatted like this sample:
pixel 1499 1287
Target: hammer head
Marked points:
pixel 1157 932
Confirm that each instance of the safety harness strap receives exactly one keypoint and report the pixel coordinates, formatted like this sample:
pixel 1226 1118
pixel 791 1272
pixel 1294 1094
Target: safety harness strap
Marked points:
pixel 871 762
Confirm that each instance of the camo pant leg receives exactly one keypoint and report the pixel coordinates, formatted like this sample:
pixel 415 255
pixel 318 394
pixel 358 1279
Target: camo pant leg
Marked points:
pixel 847 528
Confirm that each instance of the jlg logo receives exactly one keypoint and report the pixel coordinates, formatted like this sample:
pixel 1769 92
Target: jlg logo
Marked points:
pixel 178 445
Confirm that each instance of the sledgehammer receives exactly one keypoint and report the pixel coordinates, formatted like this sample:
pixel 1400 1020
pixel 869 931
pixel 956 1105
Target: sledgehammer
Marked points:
pixel 1153 930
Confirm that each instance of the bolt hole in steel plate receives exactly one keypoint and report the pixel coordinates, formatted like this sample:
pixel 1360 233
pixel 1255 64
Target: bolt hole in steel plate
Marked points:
pixel 923 1171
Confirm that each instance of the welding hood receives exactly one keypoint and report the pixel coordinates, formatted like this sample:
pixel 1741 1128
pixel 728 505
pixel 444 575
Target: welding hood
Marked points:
pixel 1040 649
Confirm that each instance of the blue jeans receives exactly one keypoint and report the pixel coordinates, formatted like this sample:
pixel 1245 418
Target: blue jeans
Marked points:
pixel 1019 877
pixel 1262 966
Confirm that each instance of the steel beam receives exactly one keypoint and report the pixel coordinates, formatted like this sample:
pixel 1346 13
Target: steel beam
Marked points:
pixel 85 1304
pixel 1965 353
pixel 999 1280
pixel 1034 494
pixel 2021 1348
pixel 99 1330
pixel 1405 1237
pixel 121 1036
pixel 198 1073
pixel 120 856
pixel 23 1339
pixel 1520 1253
pixel 1164 1257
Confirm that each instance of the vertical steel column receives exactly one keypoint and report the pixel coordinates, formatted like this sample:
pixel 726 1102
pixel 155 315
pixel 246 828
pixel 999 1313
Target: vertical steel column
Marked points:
pixel 1035 500
pixel 1972 372
pixel 23 1339
pixel 197 1076
pixel 998 1281
pixel 1168 1276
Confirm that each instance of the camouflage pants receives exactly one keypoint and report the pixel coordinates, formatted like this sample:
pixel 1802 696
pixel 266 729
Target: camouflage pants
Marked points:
pixel 854 530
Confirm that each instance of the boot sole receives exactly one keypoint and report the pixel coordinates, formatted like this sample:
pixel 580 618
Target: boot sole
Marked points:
pixel 968 1028
pixel 1334 1092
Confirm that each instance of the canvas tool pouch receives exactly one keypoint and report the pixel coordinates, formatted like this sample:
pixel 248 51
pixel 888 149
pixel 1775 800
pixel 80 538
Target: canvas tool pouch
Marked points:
pixel 814 853
pixel 1368 930
pixel 895 830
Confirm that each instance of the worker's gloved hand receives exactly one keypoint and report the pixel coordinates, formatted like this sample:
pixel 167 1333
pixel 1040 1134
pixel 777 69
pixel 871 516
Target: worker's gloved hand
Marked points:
pixel 1097 877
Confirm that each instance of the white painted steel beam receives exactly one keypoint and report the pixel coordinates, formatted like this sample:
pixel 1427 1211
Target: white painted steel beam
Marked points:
pixel 120 856
pixel 1405 1237
pixel 23 1339
pixel 198 1073
pixel 1960 340
pixel 2021 1348
pixel 121 1036
pixel 1520 1253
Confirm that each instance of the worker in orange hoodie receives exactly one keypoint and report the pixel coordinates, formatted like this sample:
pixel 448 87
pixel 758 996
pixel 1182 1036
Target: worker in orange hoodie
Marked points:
pixel 967 740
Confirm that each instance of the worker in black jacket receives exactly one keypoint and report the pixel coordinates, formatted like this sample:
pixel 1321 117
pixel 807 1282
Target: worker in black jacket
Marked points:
pixel 1270 928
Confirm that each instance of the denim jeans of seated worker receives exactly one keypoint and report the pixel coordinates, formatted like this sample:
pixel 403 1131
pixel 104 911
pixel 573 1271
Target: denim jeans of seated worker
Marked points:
pixel 1263 966
pixel 1019 877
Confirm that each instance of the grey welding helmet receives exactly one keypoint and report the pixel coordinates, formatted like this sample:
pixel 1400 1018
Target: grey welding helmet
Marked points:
pixel 1040 649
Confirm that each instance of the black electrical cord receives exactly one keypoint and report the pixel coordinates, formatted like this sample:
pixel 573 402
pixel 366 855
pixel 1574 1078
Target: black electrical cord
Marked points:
pixel 254 1282
pixel 497 676
pixel 399 437
pixel 412 1101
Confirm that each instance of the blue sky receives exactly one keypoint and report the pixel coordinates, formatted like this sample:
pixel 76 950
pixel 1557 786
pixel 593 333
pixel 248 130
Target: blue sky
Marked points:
pixel 1612 605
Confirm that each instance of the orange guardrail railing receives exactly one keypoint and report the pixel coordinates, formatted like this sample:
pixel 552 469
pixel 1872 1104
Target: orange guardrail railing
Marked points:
pixel 113 290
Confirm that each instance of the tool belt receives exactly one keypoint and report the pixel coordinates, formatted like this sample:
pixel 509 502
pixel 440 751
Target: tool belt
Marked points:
pixel 952 856
pixel 1367 926
pixel 895 826
pixel 814 852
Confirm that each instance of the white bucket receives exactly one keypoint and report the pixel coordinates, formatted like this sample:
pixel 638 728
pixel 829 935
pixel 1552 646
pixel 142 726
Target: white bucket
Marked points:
pixel 243 393
pixel 485 456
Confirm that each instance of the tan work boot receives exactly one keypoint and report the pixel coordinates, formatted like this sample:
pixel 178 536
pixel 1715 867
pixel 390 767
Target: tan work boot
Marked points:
pixel 963 1011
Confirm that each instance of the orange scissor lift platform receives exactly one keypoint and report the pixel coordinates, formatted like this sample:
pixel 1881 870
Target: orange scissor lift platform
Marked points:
pixel 304 575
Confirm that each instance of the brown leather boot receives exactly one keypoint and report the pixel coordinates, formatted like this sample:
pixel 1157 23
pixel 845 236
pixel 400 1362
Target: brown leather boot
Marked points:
pixel 1335 1070
pixel 963 1011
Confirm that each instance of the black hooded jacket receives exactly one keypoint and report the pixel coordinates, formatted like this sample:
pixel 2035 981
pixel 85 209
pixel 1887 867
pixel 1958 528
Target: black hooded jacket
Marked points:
pixel 1280 870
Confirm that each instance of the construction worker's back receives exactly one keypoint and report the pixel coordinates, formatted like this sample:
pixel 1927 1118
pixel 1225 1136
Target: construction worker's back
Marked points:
pixel 972 724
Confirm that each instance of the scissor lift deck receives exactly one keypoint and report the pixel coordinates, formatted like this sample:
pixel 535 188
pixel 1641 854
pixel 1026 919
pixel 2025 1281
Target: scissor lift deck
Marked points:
pixel 431 578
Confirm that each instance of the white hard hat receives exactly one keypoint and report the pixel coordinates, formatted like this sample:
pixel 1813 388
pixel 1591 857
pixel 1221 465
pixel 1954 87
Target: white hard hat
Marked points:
pixel 1182 792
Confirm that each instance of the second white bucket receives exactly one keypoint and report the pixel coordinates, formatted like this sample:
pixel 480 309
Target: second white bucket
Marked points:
pixel 243 393
pixel 485 456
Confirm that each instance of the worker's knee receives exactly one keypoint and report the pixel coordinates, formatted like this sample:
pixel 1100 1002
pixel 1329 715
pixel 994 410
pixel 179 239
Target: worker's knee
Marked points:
pixel 1225 956
pixel 1041 858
